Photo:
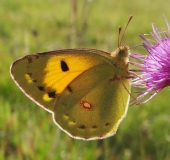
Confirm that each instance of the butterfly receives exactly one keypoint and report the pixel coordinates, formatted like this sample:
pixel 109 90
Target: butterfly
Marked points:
pixel 86 90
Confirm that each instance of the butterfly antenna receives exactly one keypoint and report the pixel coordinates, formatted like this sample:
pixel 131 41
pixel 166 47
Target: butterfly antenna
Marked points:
pixel 120 29
pixel 130 18
pixel 135 46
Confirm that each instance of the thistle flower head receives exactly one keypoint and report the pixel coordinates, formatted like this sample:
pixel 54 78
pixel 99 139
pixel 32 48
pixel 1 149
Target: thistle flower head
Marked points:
pixel 154 68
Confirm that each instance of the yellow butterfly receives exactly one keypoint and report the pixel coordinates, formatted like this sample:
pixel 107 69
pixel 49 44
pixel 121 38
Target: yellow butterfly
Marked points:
pixel 86 90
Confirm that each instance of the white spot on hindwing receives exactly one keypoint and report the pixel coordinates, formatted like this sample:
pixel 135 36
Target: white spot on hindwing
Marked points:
pixel 85 105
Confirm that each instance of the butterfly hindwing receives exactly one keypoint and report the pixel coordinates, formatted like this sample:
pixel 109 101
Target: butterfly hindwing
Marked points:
pixel 93 104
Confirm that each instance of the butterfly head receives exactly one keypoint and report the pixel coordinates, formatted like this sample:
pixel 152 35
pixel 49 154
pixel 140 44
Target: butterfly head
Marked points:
pixel 121 53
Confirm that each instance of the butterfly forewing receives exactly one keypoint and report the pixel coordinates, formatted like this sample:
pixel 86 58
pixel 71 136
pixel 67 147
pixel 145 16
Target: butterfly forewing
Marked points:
pixel 44 76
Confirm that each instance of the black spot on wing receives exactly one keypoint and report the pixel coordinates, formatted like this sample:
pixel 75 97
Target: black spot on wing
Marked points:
pixel 51 94
pixel 29 74
pixel 64 66
pixel 82 126
pixel 35 80
pixel 29 60
pixel 41 88
pixel 106 124
pixel 94 127
pixel 69 89
pixel 31 57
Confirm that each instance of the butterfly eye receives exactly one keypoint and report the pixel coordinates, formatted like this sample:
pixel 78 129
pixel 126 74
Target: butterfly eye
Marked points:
pixel 123 52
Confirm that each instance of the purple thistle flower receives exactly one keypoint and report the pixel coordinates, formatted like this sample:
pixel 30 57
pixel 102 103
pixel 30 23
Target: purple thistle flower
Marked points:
pixel 154 68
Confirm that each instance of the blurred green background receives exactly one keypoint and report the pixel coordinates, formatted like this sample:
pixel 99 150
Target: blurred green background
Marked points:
pixel 27 131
